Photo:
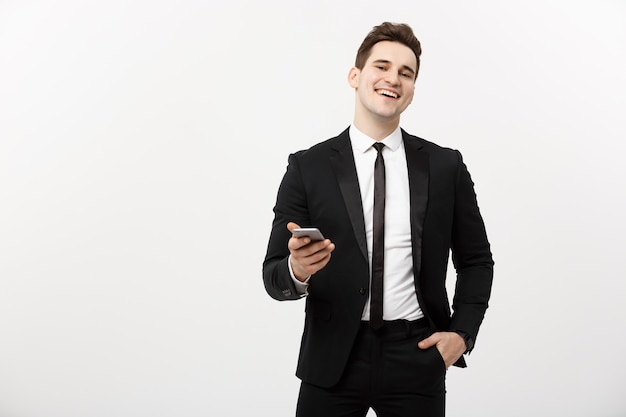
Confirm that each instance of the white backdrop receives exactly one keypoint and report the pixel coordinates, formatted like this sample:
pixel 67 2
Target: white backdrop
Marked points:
pixel 142 144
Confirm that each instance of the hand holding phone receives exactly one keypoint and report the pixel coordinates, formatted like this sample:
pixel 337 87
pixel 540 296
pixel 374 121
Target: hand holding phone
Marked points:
pixel 305 263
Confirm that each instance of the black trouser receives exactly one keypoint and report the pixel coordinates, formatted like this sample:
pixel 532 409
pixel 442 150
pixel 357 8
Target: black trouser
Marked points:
pixel 386 372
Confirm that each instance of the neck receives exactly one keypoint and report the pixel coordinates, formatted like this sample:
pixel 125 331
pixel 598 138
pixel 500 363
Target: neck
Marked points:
pixel 378 130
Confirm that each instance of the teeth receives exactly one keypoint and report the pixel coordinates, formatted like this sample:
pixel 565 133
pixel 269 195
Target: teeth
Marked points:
pixel 388 93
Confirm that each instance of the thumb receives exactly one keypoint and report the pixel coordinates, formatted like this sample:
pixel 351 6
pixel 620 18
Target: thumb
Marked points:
pixel 292 225
pixel 428 342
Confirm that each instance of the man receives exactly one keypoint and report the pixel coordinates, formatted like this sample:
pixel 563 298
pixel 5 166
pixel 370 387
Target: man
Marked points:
pixel 378 331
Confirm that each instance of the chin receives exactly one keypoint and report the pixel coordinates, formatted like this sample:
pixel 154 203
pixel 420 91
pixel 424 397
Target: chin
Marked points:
pixel 387 116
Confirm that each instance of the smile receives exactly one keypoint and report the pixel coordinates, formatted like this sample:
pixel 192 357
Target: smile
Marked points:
pixel 387 93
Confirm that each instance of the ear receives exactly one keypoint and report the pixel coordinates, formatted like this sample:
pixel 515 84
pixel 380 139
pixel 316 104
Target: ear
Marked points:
pixel 353 77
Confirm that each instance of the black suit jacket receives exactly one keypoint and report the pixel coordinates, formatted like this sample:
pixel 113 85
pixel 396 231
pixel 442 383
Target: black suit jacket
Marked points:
pixel 320 188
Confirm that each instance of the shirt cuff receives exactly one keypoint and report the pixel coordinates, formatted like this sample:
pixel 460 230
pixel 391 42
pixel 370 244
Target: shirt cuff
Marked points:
pixel 302 287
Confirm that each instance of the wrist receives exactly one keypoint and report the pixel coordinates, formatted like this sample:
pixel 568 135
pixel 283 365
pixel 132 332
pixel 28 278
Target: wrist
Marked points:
pixel 297 272
pixel 469 342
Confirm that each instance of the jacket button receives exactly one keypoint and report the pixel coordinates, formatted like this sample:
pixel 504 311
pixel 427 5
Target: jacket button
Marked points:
pixel 362 291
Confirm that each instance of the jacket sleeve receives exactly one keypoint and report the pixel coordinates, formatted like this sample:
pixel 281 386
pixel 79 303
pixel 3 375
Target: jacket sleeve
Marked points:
pixel 291 206
pixel 471 256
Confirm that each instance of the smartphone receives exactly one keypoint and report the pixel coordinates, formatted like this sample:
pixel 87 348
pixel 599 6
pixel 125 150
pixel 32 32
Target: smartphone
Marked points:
pixel 312 232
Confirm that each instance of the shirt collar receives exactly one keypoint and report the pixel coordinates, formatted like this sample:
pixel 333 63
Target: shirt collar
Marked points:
pixel 362 142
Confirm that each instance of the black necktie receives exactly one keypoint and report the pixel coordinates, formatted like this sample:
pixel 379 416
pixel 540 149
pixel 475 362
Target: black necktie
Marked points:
pixel 378 241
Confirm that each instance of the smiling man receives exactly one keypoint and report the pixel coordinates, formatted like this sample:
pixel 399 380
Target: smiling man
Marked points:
pixel 379 332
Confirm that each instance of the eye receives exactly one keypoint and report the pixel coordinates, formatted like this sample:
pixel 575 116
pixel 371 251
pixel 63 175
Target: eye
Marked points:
pixel 406 75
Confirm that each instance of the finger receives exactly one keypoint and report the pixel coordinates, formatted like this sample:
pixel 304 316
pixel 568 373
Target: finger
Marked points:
pixel 306 246
pixel 429 341
pixel 316 253
pixel 318 246
pixel 298 244
pixel 315 264
pixel 321 263
pixel 292 225
pixel 309 254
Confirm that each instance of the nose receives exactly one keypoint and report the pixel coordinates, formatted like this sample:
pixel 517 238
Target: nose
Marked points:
pixel 392 77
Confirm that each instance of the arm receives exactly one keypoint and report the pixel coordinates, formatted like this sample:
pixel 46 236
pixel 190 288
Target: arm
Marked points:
pixel 474 265
pixel 471 255
pixel 285 252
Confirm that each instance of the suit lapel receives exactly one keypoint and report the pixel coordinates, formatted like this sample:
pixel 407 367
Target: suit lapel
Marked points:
pixel 342 162
pixel 418 167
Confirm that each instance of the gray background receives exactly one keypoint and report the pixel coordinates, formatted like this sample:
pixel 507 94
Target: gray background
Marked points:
pixel 142 144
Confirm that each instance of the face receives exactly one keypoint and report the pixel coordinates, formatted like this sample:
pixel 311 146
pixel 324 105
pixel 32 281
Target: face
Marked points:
pixel 386 83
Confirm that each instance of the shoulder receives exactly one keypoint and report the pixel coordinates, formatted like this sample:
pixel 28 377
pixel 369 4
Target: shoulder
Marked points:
pixel 433 149
pixel 324 148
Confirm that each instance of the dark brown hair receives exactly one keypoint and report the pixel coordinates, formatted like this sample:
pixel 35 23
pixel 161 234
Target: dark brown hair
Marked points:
pixel 387 31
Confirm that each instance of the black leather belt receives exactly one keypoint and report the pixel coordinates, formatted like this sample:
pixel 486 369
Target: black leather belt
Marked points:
pixel 390 327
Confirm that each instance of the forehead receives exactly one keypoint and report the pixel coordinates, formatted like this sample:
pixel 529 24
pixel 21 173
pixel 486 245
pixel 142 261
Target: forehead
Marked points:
pixel 394 52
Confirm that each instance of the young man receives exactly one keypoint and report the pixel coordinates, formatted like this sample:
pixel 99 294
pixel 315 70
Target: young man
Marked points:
pixel 379 332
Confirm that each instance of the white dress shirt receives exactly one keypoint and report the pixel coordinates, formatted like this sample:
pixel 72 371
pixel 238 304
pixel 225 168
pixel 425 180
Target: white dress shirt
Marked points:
pixel 399 298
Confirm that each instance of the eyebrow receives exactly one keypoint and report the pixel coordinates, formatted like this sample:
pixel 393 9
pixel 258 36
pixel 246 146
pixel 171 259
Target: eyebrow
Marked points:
pixel 384 61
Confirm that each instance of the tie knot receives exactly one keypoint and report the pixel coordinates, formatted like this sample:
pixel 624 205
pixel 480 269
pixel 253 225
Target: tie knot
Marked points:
pixel 379 146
